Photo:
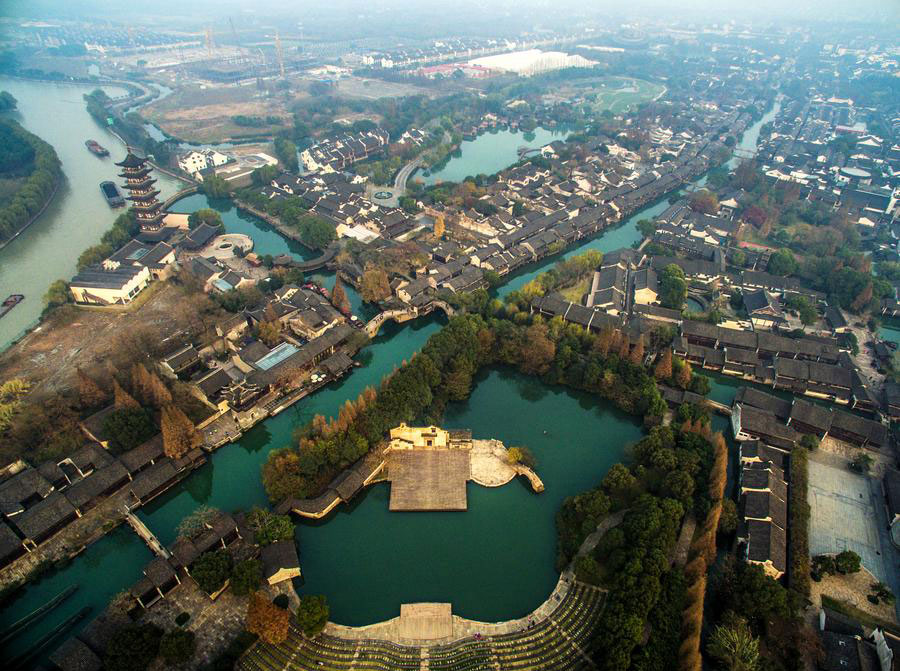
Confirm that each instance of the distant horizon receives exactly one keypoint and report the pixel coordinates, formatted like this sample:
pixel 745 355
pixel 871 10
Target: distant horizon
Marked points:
pixel 464 18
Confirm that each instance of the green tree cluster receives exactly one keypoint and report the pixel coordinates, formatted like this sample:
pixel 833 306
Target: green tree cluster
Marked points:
pixel 25 154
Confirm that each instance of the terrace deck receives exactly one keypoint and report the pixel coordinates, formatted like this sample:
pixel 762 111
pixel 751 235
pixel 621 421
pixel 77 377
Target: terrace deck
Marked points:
pixel 428 480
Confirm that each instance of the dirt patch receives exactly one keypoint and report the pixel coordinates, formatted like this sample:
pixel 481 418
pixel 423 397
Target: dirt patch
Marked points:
pixel 852 589
pixel 84 338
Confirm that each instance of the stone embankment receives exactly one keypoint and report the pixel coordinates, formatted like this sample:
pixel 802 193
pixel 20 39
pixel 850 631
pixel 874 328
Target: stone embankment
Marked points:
pixel 490 466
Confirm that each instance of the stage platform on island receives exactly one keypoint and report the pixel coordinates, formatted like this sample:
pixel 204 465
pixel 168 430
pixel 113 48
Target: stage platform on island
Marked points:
pixel 428 480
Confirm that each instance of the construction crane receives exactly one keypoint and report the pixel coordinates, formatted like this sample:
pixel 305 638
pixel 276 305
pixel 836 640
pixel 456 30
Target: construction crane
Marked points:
pixel 279 53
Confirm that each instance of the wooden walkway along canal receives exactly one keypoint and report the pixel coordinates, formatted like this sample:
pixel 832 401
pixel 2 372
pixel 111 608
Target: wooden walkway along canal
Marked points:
pixel 148 536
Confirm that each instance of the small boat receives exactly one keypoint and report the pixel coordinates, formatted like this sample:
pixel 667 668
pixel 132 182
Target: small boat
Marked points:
pixel 10 303
pixel 95 148
pixel 112 194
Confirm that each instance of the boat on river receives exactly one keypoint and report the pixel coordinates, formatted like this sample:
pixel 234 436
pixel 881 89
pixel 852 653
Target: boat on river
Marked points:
pixel 11 302
pixel 95 148
pixel 112 194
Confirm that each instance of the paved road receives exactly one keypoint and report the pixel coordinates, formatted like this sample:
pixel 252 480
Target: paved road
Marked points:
pixel 405 172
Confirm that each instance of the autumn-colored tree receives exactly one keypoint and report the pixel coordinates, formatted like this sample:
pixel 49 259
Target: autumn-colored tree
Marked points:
pixel 637 352
pixel 339 296
pixel 89 392
pixel 267 620
pixel 624 346
pixel 140 383
pixel 374 285
pixel 269 332
pixel 705 202
pixel 179 433
pixel 603 342
pixel 149 387
pixel 538 350
pixel 122 399
pixel 862 299
pixel 718 474
pixel 439 226
pixel 159 392
pixel 663 369
pixel 684 373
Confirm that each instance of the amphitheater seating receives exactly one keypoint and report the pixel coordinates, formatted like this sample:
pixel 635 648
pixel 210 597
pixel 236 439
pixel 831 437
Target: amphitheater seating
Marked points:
pixel 551 643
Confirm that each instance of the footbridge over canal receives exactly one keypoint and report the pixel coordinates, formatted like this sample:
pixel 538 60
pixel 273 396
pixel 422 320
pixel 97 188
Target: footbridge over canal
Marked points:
pixel 405 314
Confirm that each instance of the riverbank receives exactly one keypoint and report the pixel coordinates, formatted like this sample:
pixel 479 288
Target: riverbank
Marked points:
pixel 45 167
pixel 37 214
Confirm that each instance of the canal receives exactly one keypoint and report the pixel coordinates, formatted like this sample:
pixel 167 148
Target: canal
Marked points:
pixel 78 215
pixel 490 152
pixel 493 562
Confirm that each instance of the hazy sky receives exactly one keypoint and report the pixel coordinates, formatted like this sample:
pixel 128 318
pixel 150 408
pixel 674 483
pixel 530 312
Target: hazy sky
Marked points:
pixel 465 12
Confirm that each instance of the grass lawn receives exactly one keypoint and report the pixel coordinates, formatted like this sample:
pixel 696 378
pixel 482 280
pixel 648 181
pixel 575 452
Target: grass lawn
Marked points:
pixel 577 290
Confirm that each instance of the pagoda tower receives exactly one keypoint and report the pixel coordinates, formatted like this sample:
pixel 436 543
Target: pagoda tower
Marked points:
pixel 136 172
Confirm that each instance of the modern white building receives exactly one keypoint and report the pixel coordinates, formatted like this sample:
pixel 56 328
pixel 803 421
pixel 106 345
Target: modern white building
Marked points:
pixel 197 161
pixel 120 286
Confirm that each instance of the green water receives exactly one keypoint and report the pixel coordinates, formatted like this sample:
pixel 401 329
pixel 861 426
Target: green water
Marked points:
pixel 889 331
pixel 78 214
pixel 267 240
pixel 118 557
pixel 231 481
pixel 495 561
pixel 491 152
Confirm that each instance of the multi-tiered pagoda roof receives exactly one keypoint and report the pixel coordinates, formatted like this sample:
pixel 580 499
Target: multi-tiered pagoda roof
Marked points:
pixel 143 195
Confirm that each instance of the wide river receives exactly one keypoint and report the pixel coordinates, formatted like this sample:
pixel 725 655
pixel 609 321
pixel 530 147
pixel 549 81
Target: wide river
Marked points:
pixel 493 562
pixel 48 249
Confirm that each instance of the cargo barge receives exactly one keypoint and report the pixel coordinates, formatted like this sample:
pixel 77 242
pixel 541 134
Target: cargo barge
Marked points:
pixel 95 148
pixel 112 194
pixel 10 303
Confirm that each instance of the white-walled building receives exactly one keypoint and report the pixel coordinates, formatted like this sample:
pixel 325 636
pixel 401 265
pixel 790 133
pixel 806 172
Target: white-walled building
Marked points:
pixel 197 161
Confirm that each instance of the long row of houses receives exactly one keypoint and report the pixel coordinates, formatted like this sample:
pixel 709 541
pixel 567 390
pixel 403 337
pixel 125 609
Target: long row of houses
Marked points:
pixel 36 503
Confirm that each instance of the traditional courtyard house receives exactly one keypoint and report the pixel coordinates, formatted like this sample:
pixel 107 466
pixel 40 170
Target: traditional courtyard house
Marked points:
pixel 764 309
pixel 158 258
pixel 646 286
pixel 892 399
pixel 159 578
pixel 810 418
pixel 44 519
pixel 859 431
pixel 99 484
pixel 700 333
pixel 765 543
pixel 97 286
pixel 143 456
pixel 836 320
pixel 22 491
pixel 152 481
pixel 197 238
pixel 749 423
pixel 280 562
pixel 182 362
